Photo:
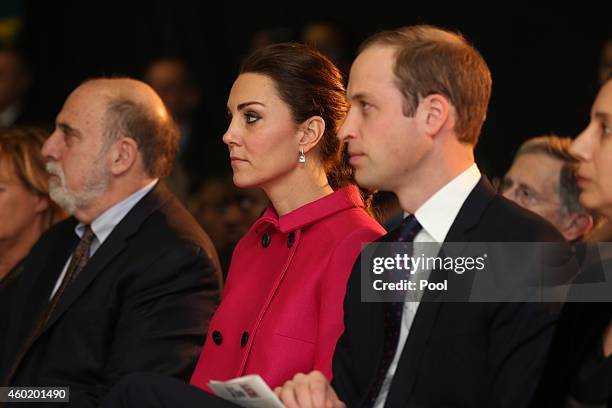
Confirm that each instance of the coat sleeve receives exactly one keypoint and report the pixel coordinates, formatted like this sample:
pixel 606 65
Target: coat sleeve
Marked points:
pixel 162 320
pixel 331 312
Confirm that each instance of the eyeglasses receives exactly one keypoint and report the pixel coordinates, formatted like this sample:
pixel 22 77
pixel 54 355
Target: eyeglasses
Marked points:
pixel 524 196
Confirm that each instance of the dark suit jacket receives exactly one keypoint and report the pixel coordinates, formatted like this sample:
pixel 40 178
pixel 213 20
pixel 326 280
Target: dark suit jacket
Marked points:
pixel 456 354
pixel 579 332
pixel 7 290
pixel 578 336
pixel 142 303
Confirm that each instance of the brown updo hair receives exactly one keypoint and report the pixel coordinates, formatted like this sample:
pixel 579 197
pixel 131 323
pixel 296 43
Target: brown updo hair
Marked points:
pixel 311 85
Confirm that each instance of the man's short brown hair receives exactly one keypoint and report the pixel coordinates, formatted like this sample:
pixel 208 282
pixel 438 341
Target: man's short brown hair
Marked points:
pixel 429 61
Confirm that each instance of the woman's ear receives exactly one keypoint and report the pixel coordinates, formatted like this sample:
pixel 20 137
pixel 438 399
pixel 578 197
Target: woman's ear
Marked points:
pixel 312 130
pixel 42 203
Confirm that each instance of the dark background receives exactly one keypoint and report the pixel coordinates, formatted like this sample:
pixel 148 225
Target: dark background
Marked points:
pixel 544 60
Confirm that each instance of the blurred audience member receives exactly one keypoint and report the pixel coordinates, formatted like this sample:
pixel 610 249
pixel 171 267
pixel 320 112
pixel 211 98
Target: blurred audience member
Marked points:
pixel 329 40
pixel 605 63
pixel 226 212
pixel 174 81
pixel 578 372
pixel 269 36
pixel 542 179
pixel 14 85
pixel 26 210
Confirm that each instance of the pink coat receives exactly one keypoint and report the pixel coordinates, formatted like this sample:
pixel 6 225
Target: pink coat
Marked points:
pixel 282 307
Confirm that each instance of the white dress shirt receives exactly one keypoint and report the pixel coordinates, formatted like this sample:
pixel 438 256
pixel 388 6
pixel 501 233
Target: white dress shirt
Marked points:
pixel 436 216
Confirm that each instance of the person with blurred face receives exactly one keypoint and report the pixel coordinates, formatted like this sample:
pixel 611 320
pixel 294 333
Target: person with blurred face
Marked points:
pixel 605 62
pixel 173 79
pixel 542 179
pixel 282 307
pixel 419 97
pixel 15 81
pixel 25 208
pixel 593 149
pixel 226 212
pixel 578 372
pixel 128 282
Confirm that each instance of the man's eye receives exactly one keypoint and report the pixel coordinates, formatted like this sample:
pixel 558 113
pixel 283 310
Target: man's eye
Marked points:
pixel 526 195
pixel 364 105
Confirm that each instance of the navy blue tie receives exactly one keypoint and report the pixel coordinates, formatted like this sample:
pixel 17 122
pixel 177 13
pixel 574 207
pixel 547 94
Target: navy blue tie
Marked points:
pixel 405 232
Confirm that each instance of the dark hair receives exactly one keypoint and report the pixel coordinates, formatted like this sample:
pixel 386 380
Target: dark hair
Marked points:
pixel 311 85
pixel 157 138
pixel 430 60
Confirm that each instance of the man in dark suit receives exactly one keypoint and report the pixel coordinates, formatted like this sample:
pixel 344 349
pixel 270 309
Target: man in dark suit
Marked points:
pixel 419 97
pixel 129 282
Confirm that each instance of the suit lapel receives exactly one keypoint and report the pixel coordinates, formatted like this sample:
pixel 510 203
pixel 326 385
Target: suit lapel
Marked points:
pixel 110 249
pixel 33 295
pixel 427 313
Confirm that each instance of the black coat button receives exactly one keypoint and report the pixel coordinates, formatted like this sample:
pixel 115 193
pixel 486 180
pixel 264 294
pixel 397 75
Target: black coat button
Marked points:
pixel 265 240
pixel 290 240
pixel 217 337
pixel 245 339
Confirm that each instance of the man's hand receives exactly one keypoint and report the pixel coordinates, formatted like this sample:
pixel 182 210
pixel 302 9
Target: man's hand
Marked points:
pixel 308 391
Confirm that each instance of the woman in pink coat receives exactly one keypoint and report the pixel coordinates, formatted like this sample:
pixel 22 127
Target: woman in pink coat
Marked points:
pixel 282 307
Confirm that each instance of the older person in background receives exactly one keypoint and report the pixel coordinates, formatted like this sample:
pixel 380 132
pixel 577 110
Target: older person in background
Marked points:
pixel 542 179
pixel 25 208
pixel 126 284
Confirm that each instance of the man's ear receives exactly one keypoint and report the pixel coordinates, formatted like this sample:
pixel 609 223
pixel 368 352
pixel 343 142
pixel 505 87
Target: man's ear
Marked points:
pixel 433 112
pixel 311 131
pixel 576 225
pixel 123 155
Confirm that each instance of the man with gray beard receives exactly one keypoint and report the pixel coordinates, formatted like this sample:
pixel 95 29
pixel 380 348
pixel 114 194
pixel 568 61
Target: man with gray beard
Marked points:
pixel 126 284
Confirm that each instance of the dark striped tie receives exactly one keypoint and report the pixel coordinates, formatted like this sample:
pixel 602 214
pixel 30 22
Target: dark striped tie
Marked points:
pixel 406 232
